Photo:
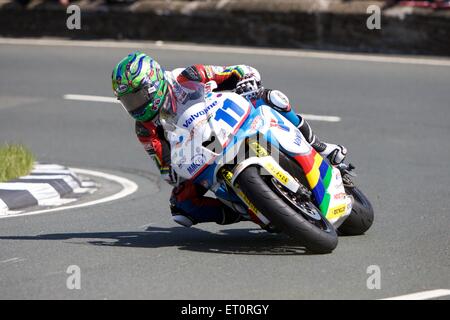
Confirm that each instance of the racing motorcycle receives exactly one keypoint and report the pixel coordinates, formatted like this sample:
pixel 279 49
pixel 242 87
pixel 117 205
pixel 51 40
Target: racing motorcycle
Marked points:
pixel 255 161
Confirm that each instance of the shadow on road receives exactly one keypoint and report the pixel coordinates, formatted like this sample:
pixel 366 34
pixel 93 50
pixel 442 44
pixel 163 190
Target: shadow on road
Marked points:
pixel 228 241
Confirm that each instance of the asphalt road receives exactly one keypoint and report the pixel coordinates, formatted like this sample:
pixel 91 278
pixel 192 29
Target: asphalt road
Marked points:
pixel 395 123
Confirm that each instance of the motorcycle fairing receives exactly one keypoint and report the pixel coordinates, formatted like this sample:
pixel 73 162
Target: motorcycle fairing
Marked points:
pixel 231 119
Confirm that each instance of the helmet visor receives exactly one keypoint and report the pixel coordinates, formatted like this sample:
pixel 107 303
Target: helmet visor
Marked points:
pixel 135 100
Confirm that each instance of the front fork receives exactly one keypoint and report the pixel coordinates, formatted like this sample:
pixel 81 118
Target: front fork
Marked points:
pixel 256 216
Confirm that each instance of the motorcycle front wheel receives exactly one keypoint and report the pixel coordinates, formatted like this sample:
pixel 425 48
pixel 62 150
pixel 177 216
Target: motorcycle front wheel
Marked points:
pixel 301 220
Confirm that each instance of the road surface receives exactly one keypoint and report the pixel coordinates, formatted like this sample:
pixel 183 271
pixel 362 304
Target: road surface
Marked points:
pixel 395 122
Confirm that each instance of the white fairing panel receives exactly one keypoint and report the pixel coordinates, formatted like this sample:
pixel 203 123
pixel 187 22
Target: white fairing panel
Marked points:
pixel 221 114
pixel 283 131
pixel 340 203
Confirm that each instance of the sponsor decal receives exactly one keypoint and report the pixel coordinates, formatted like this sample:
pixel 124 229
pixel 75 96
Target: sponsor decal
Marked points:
pixel 339 183
pixel 339 196
pixel 197 161
pixel 195 128
pixel 298 138
pixel 244 198
pixel 257 123
pixel 275 124
pixel 192 168
pixel 279 175
pixel 198 114
pixel 260 151
pixel 338 211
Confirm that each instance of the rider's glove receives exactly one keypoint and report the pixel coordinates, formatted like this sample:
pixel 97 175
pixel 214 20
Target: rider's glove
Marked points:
pixel 249 87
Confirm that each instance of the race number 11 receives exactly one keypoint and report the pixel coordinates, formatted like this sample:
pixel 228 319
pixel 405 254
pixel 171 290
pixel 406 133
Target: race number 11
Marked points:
pixel 224 115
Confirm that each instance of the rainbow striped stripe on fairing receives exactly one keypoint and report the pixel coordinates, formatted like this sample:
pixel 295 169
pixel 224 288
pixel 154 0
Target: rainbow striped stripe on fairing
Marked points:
pixel 318 173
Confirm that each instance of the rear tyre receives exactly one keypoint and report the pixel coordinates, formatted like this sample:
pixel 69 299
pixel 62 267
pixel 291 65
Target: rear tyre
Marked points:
pixel 314 232
pixel 361 217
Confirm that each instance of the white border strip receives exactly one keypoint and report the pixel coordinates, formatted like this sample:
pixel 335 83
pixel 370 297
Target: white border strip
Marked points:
pixel 315 117
pixel 128 187
pixel 296 53
pixel 3 206
pixel 83 97
pixel 424 295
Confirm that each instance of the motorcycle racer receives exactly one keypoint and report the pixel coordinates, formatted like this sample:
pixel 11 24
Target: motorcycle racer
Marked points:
pixel 144 88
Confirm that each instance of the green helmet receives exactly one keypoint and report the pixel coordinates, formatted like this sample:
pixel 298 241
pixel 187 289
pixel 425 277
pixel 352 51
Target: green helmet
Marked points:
pixel 139 83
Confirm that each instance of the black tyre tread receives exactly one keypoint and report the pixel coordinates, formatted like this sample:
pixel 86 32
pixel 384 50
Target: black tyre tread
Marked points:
pixel 283 216
pixel 361 217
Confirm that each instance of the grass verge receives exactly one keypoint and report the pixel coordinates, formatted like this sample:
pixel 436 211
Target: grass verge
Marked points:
pixel 15 160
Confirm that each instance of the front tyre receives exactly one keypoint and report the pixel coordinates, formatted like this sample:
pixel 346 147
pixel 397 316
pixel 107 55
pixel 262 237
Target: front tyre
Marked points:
pixel 361 217
pixel 318 236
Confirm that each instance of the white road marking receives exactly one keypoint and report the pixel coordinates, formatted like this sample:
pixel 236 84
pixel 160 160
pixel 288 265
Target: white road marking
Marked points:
pixel 321 118
pixel 424 295
pixel 295 53
pixel 82 97
pixel 128 187
pixel 13 260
